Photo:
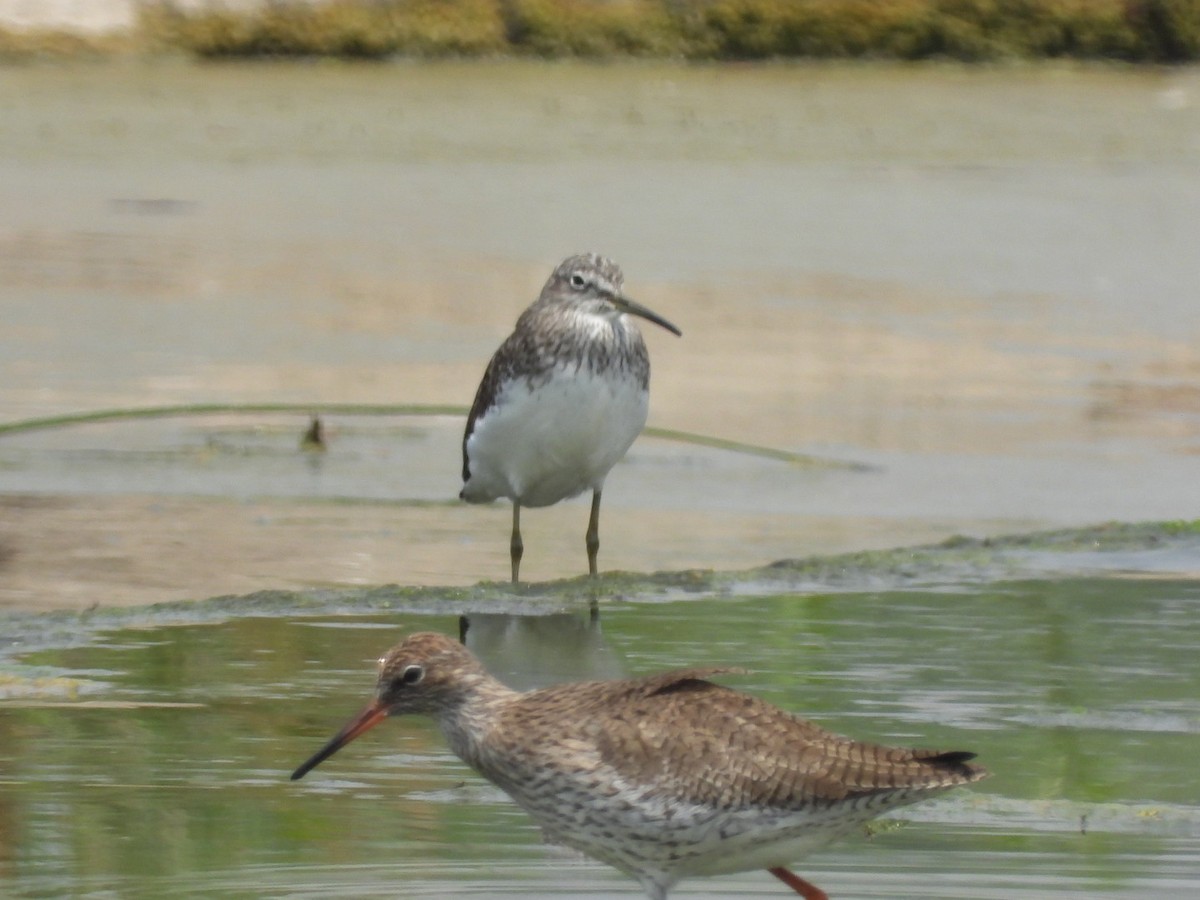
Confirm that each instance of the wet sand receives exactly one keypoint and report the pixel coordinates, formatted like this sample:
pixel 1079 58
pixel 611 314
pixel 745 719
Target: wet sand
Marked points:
pixel 980 283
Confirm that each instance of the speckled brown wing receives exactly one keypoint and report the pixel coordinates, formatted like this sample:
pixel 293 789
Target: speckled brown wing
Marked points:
pixel 709 744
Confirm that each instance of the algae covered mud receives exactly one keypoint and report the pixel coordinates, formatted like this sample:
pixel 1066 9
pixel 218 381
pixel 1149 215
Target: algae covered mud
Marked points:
pixel 147 750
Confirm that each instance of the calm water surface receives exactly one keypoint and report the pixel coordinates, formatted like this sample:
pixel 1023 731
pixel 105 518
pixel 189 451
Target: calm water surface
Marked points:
pixel 160 764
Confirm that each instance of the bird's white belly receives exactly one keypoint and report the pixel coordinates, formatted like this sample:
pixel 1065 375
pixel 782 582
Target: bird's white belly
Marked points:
pixel 661 840
pixel 541 445
pixel 760 843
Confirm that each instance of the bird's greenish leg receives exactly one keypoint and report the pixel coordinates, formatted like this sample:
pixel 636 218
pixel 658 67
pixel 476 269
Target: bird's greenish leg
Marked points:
pixel 592 539
pixel 516 548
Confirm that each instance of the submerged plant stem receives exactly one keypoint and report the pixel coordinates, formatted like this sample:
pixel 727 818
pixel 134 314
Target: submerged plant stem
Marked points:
pixel 380 409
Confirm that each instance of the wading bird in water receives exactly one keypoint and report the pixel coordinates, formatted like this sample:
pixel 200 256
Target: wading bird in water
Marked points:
pixel 562 399
pixel 663 777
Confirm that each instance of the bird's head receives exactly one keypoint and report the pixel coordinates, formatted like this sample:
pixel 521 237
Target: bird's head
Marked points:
pixel 426 673
pixel 596 284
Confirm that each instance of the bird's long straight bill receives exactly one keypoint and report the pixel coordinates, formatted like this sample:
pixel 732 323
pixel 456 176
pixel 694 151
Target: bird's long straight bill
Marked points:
pixel 374 713
pixel 636 309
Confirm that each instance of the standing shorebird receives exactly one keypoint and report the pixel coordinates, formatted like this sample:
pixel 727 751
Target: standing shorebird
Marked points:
pixel 662 777
pixel 562 398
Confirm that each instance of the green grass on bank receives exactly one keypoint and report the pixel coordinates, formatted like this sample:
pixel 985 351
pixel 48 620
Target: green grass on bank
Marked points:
pixel 971 30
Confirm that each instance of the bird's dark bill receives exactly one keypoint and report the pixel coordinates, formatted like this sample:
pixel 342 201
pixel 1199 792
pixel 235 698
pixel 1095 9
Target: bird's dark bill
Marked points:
pixel 636 309
pixel 374 713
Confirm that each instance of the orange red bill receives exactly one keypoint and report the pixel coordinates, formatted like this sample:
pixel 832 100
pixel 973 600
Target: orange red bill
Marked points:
pixel 372 714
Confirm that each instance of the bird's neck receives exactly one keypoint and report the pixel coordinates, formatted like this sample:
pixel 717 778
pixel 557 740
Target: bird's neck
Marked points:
pixel 599 322
pixel 466 723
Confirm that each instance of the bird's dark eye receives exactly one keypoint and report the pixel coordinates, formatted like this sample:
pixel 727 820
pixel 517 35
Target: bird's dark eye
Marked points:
pixel 578 281
pixel 411 675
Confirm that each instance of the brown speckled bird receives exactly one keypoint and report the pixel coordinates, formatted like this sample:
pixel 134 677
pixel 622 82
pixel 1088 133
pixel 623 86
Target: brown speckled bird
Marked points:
pixel 663 777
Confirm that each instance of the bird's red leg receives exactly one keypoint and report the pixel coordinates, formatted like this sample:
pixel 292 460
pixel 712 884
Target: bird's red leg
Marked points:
pixel 805 889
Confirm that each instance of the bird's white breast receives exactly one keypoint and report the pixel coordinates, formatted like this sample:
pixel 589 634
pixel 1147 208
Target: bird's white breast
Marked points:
pixel 552 438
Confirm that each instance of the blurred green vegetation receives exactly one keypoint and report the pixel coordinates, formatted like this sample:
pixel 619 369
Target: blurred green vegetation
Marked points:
pixel 1156 31
pixel 22 46
pixel 363 29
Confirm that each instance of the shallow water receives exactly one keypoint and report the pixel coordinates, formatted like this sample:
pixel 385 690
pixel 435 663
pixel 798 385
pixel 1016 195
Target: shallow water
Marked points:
pixel 156 759
pixel 979 281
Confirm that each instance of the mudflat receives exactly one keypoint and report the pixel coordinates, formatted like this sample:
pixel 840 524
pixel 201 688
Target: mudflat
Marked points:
pixel 976 285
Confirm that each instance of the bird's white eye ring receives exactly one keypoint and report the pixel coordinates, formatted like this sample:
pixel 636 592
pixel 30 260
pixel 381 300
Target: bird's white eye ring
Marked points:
pixel 412 674
pixel 577 280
